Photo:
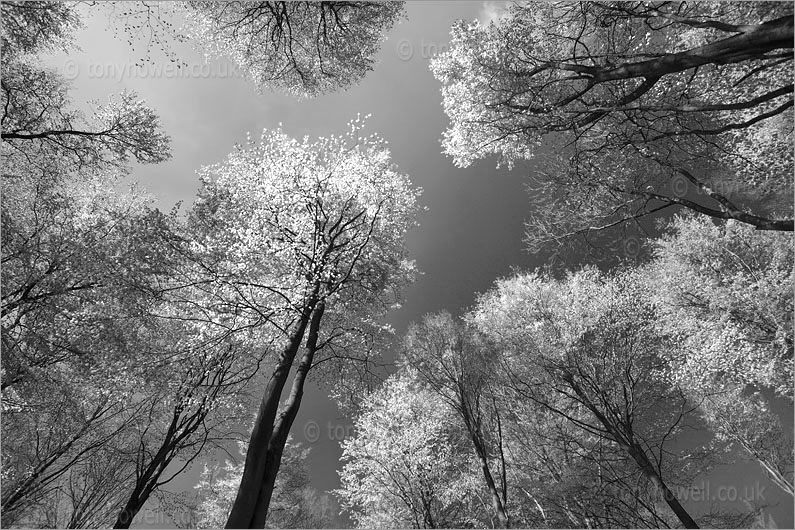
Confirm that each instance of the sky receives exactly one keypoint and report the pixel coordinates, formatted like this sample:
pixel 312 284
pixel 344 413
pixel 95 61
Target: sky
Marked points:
pixel 470 235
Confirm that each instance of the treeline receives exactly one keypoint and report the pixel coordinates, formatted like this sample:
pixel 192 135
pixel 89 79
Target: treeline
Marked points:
pixel 571 402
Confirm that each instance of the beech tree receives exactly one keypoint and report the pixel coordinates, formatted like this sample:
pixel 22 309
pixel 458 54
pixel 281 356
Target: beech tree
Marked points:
pixel 726 293
pixel 415 461
pixel 73 252
pixel 407 465
pixel 86 315
pixel 563 476
pixel 197 413
pixel 585 348
pixel 742 418
pixel 454 362
pixel 29 27
pixel 140 444
pixel 39 127
pixel 518 446
pixel 303 48
pixel 48 435
pixel 647 105
pixel 293 231
pixel 42 133
pixel 593 378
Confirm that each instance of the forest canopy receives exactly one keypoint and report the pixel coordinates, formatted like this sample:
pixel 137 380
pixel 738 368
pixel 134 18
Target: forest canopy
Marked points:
pixel 344 270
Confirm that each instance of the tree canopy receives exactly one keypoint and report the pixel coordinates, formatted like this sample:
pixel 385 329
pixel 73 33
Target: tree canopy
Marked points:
pixel 649 106
pixel 308 237
pixel 304 48
pixel 139 342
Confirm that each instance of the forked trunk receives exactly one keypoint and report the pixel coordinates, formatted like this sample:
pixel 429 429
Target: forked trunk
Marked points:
pixel 285 422
pixel 242 514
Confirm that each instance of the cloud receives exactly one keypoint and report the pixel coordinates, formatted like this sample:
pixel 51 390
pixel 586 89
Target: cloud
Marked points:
pixel 492 11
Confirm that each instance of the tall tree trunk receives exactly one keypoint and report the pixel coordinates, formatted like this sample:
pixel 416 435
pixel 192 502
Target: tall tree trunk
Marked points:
pixel 136 501
pixel 147 481
pixel 242 514
pixel 496 502
pixel 143 489
pixel 480 450
pixel 639 455
pixel 285 422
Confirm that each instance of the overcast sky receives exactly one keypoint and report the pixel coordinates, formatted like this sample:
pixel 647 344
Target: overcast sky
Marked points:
pixel 471 233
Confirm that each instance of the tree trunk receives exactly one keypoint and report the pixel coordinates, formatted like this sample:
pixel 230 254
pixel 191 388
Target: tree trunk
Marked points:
pixel 134 504
pixel 637 454
pixel 480 450
pixel 242 513
pixel 147 481
pixel 285 422
pixel 496 502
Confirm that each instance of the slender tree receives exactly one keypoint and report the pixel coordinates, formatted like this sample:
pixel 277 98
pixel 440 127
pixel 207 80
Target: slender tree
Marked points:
pixel 297 230
pixel 454 362
pixel 589 340
pixel 200 413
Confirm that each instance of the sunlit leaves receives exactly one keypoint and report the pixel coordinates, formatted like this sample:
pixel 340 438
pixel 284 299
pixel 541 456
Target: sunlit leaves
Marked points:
pixel 44 135
pixel 586 348
pixel 566 66
pixel 282 216
pixel 607 99
pixel 404 467
pixel 727 291
pixel 32 27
